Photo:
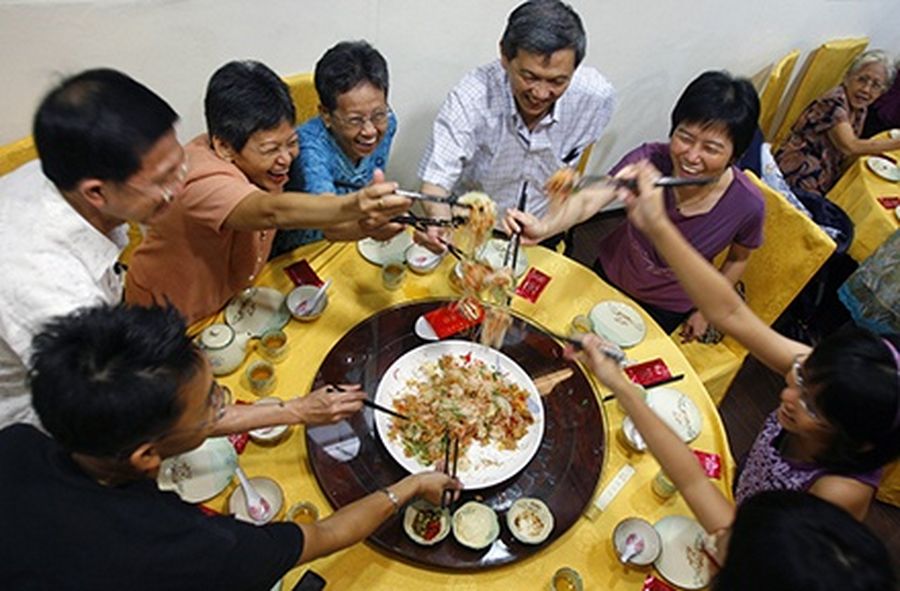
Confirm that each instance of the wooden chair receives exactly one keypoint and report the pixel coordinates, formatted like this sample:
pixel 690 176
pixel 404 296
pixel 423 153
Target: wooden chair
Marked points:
pixel 17 153
pixel 306 99
pixel 794 248
pixel 770 97
pixel 824 70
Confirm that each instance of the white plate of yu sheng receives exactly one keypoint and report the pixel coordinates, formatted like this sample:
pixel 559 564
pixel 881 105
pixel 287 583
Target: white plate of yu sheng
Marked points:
pixel 477 394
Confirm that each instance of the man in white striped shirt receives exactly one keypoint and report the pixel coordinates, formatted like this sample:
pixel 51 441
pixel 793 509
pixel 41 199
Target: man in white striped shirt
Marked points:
pixel 522 117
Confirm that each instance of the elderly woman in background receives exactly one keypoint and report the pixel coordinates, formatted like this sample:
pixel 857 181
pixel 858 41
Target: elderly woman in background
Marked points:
pixel 350 139
pixel 830 127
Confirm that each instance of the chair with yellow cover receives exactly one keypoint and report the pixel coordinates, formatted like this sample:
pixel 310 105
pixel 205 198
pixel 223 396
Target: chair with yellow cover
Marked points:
pixel 793 250
pixel 17 153
pixel 770 97
pixel 824 70
pixel 303 92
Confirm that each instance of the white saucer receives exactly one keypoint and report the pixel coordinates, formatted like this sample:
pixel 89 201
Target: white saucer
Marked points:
pixel 256 310
pixel 675 409
pixel 379 252
pixel 618 322
pixel 424 330
pixel 200 474
pixel 883 168
pixel 682 561
pixel 494 251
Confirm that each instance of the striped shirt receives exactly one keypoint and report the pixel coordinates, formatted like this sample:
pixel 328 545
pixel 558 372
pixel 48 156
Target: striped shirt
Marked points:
pixel 480 142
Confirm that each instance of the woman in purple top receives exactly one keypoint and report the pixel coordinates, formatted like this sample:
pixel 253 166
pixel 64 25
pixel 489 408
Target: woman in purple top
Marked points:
pixel 829 129
pixel 712 125
pixel 839 418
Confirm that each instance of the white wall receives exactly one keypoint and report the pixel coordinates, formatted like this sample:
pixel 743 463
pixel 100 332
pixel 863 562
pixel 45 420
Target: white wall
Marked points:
pixel 649 49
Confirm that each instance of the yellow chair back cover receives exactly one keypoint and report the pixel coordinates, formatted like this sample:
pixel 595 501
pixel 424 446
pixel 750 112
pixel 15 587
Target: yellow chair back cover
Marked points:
pixel 770 98
pixel 17 153
pixel 824 70
pixel 303 91
pixel 793 250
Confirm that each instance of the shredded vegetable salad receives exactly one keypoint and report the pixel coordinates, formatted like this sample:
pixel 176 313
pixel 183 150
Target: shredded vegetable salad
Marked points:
pixel 466 397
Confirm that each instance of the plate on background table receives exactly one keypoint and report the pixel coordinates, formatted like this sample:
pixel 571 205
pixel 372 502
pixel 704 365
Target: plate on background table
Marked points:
pixel 494 252
pixel 884 168
pixel 618 322
pixel 484 466
pixel 683 561
pixel 200 474
pixel 378 252
pixel 256 310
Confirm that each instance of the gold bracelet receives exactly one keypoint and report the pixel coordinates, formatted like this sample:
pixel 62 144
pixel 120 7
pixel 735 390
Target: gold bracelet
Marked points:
pixel 393 498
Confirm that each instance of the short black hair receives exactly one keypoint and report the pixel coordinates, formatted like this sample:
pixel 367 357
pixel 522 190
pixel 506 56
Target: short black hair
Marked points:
pixel 718 98
pixel 98 124
pixel 107 378
pixel 346 65
pixel 244 97
pixel 544 27
pixel 789 540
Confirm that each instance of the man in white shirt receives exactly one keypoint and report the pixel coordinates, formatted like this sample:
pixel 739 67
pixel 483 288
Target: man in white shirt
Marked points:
pixel 108 153
pixel 522 117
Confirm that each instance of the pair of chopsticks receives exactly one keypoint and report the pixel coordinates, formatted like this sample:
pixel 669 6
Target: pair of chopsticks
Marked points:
pixel 451 200
pixel 669 380
pixel 512 249
pixel 447 493
pixel 372 405
pixel 665 181
pixel 419 222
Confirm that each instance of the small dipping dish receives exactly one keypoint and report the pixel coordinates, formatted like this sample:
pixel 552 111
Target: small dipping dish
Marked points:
pixel 267 488
pixel 269 435
pixel 637 530
pixel 421 260
pixel 302 294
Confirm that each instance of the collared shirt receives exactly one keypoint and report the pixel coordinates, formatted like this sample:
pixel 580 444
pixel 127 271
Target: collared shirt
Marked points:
pixel 323 167
pixel 52 262
pixel 188 257
pixel 480 142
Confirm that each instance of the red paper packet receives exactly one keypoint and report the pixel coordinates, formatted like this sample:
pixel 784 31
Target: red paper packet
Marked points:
pixel 711 463
pixel 239 440
pixel 648 372
pixel 302 274
pixel 449 320
pixel 889 202
pixel 533 285
pixel 208 511
pixel 651 583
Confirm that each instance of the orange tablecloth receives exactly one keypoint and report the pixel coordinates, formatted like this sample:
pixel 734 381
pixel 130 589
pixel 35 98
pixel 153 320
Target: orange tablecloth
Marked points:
pixel 356 294
pixel 856 193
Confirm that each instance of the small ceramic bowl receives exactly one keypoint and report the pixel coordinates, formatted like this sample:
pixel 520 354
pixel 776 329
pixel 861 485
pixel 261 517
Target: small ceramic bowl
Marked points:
pixel 638 530
pixel 475 525
pixel 421 260
pixel 426 533
pixel 301 294
pixel 270 491
pixel 529 520
pixel 268 434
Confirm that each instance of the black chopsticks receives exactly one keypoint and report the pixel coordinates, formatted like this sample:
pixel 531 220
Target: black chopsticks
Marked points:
pixel 447 493
pixel 372 405
pixel 419 222
pixel 664 181
pixel 451 200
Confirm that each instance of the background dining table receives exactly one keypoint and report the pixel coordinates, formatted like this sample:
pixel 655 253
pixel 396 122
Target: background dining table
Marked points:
pixel 857 193
pixel 357 294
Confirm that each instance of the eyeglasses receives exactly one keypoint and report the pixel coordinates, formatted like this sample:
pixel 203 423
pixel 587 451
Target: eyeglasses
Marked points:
pixel 872 83
pixel 377 119
pixel 804 399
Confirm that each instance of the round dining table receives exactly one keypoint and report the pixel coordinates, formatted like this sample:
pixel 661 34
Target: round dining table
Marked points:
pixel 357 296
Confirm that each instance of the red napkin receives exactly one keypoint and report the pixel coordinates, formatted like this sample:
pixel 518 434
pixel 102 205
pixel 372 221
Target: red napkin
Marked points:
pixel 533 285
pixel 648 372
pixel 239 440
pixel 889 202
pixel 449 320
pixel 710 462
pixel 208 511
pixel 651 583
pixel 302 274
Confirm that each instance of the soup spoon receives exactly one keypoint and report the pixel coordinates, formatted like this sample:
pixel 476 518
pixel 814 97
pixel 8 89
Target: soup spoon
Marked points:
pixel 258 508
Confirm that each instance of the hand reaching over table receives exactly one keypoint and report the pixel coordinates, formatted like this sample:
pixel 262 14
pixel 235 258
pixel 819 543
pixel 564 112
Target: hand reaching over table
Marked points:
pixel 646 209
pixel 328 405
pixel 530 228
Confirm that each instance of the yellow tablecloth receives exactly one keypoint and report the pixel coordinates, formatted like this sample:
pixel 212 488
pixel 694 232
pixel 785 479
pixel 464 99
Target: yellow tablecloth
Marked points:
pixel 856 193
pixel 356 294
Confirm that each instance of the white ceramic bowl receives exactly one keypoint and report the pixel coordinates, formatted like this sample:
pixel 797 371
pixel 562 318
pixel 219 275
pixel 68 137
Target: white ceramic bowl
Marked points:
pixel 421 260
pixel 409 518
pixel 301 294
pixel 270 491
pixel 268 434
pixel 642 530
pixel 529 520
pixel 475 525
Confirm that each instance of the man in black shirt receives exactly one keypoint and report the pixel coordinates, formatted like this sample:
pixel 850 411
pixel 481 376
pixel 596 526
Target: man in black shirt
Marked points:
pixel 121 389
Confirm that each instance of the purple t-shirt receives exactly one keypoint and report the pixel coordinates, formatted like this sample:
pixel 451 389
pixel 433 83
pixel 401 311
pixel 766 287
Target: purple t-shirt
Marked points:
pixel 633 265
pixel 765 469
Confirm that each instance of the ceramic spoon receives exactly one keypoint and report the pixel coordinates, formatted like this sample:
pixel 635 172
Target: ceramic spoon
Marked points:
pixel 257 507
pixel 633 546
pixel 308 306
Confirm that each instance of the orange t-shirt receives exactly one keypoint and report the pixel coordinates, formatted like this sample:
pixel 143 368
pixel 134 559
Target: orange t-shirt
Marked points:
pixel 187 256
